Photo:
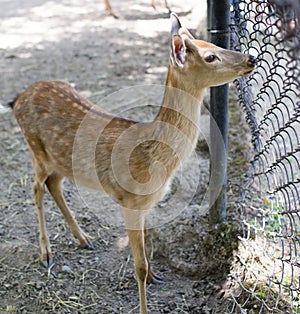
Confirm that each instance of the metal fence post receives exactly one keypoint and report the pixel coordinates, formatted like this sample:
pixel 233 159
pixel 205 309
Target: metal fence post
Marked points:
pixel 219 15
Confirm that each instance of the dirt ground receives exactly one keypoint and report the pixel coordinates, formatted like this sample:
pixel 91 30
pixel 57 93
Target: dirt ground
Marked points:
pixel 76 41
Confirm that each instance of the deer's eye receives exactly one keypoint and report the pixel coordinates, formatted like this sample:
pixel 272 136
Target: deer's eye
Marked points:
pixel 210 58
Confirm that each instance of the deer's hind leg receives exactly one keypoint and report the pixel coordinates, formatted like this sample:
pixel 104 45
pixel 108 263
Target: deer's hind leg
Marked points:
pixel 53 183
pixel 52 180
pixel 40 176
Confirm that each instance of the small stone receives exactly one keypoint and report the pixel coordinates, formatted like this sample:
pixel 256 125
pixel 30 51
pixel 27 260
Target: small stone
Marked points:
pixel 39 285
pixel 66 269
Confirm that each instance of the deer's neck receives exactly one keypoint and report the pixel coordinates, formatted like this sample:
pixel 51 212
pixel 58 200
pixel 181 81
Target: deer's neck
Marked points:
pixel 176 127
pixel 181 106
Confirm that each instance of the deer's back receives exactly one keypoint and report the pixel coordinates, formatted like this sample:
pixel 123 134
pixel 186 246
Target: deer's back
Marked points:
pixel 51 114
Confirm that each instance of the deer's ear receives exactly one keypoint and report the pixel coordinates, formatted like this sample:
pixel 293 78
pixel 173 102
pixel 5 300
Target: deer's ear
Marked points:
pixel 178 51
pixel 185 31
pixel 176 25
pixel 190 46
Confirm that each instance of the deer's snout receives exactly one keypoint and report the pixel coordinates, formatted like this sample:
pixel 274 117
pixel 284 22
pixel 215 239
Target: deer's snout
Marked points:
pixel 251 61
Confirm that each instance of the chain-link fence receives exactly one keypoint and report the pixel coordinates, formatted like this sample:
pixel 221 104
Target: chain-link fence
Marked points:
pixel 268 277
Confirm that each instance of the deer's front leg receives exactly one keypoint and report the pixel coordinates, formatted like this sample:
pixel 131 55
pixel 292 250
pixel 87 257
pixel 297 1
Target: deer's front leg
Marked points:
pixel 135 224
pixel 152 277
pixel 136 239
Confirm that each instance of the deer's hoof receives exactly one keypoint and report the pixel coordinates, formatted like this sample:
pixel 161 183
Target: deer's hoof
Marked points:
pixel 90 246
pixel 157 279
pixel 48 263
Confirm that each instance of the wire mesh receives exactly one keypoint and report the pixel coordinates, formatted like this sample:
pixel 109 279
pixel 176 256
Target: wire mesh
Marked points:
pixel 268 277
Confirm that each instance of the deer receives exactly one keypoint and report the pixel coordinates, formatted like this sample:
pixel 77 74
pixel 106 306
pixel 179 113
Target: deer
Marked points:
pixel 109 10
pixel 133 162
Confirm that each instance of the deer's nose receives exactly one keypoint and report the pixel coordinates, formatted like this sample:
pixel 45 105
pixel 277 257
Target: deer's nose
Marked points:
pixel 252 61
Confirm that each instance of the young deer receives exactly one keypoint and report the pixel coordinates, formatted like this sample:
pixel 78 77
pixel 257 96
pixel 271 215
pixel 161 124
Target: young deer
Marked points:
pixel 132 162
pixel 110 12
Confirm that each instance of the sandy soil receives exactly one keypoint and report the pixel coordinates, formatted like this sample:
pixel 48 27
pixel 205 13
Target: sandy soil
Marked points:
pixel 99 55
